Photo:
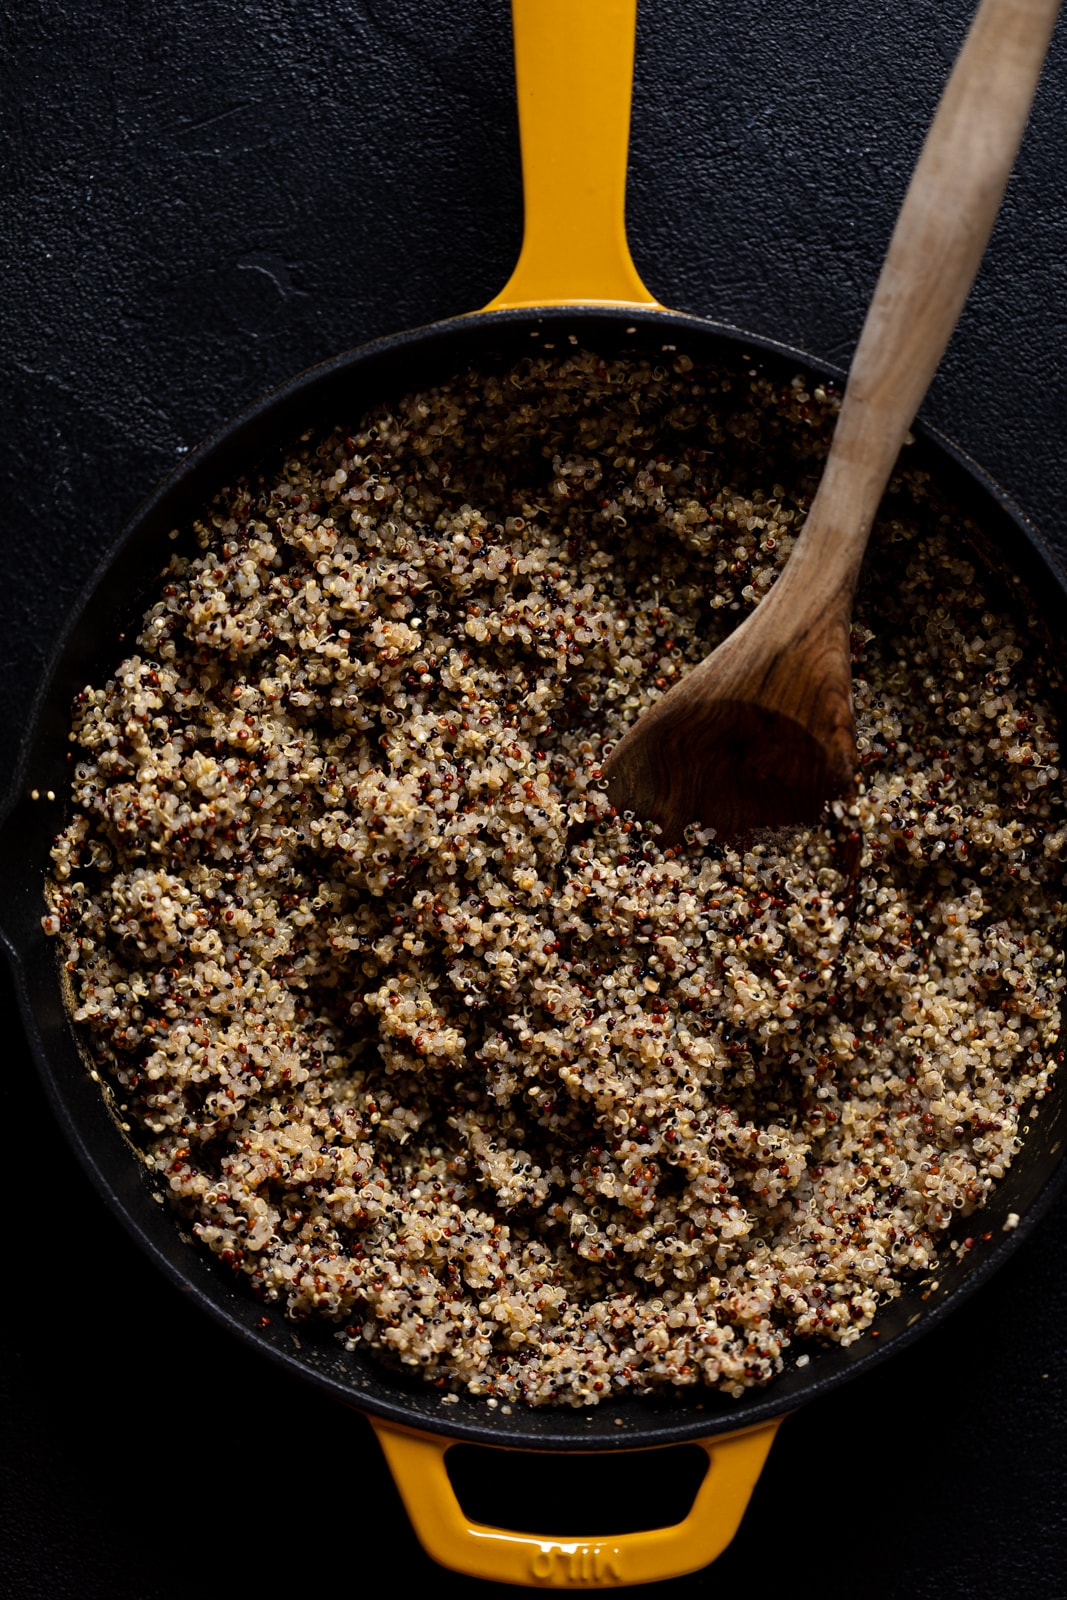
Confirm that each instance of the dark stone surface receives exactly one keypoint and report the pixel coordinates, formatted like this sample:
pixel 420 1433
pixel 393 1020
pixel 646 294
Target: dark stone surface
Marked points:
pixel 204 198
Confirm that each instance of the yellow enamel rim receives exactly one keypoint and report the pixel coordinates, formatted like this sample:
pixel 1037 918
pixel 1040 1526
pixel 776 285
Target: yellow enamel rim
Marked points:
pixel 417 1462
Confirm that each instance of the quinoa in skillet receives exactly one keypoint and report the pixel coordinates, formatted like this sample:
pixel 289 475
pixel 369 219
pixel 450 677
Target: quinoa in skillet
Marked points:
pixel 423 1038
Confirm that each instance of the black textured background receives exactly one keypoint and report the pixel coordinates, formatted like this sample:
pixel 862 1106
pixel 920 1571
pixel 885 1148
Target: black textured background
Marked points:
pixel 204 197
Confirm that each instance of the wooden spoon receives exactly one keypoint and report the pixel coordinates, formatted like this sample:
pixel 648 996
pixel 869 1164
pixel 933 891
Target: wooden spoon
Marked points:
pixel 761 734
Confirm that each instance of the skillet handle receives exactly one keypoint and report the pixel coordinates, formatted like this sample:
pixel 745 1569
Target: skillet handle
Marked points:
pixel 574 62
pixel 417 1462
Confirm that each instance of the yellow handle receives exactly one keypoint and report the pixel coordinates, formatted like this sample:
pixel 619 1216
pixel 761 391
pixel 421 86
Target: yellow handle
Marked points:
pixel 574 64
pixel 417 1462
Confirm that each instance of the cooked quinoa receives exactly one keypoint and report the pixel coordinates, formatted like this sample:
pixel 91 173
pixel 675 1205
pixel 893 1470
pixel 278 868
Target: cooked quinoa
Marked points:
pixel 424 1039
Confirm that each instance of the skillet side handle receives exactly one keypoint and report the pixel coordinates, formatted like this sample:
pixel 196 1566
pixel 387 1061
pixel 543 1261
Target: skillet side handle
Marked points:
pixel 417 1462
pixel 574 62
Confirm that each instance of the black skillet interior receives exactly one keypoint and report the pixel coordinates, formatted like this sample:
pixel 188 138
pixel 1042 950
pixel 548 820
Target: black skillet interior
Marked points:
pixel 92 644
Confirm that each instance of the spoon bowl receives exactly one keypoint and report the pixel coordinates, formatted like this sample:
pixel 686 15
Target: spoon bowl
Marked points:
pixel 743 744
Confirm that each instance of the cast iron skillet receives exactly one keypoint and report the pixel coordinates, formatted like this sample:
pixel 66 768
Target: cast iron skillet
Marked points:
pixel 575 278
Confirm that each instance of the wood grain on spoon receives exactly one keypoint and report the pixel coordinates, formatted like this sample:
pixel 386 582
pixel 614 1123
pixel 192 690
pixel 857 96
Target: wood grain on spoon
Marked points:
pixel 761 734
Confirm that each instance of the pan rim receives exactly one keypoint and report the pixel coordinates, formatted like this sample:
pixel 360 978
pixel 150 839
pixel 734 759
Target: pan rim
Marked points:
pixel 564 1428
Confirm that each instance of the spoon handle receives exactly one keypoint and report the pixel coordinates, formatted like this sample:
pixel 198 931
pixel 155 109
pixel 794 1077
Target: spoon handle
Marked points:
pixel 933 257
